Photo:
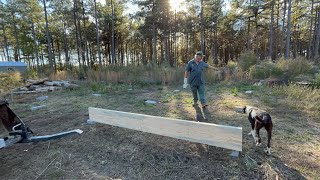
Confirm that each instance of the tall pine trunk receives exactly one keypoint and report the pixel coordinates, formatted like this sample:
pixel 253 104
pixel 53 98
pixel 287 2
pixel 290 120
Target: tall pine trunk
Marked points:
pixel 295 41
pixel 17 49
pixel 154 38
pixel 283 27
pixel 215 48
pixel 316 46
pixel 35 41
pixel 59 55
pixel 187 53
pixel 166 48
pixel 257 37
pixel 82 52
pixel 276 36
pixel 248 31
pixel 211 40
pixel 310 32
pixel 271 30
pixel 112 35
pixel 97 33
pixel 65 44
pixel 53 56
pixel 201 28
pixel 76 29
pixel 175 40
pixel 288 30
pixel 65 40
pixel 48 35
pixel 154 28
pixel 6 42
pixel 86 51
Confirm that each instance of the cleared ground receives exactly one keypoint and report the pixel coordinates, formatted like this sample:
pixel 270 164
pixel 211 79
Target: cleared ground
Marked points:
pixel 106 152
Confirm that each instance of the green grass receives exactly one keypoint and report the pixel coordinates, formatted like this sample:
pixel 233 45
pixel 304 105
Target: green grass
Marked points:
pixel 288 130
pixel 287 104
pixel 300 97
pixel 234 91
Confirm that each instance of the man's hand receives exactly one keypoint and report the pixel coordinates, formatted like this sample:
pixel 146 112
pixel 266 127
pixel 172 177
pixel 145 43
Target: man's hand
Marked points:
pixel 185 83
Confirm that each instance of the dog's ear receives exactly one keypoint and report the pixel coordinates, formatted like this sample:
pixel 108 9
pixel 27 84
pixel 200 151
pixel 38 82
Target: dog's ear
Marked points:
pixel 244 109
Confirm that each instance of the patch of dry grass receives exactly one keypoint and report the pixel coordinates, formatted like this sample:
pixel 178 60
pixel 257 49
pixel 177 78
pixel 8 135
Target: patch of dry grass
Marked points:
pixel 63 75
pixel 136 75
pixel 105 151
pixel 300 97
pixel 9 81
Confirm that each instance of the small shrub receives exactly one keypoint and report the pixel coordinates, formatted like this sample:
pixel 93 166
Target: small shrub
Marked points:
pixel 294 67
pixel 257 72
pixel 282 63
pixel 299 66
pixel 95 87
pixel 9 81
pixel 316 81
pixel 234 91
pixel 31 73
pixel 232 65
pixel 246 60
pixel 265 71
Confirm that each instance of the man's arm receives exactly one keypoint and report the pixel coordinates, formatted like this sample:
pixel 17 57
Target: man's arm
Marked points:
pixel 212 67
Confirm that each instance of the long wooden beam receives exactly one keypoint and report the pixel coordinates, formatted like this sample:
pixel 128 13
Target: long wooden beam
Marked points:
pixel 212 134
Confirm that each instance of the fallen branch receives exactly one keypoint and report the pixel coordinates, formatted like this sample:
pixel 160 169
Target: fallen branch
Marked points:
pixel 251 159
pixel 303 83
pixel 152 165
pixel 48 89
pixel 56 83
pixel 46 168
pixel 35 82
pixel 24 92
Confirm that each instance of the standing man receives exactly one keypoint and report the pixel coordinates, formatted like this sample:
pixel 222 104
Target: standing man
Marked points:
pixel 194 71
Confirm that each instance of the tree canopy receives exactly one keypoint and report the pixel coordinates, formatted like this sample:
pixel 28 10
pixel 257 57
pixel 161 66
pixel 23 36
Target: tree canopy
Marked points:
pixel 65 33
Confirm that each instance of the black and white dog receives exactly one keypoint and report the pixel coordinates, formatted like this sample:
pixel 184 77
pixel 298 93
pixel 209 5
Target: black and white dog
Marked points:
pixel 259 119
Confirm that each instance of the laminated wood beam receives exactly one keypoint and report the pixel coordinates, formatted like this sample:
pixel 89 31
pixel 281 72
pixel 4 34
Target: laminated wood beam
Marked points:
pixel 228 137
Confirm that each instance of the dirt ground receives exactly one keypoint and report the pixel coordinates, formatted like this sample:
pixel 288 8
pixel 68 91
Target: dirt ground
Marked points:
pixel 106 152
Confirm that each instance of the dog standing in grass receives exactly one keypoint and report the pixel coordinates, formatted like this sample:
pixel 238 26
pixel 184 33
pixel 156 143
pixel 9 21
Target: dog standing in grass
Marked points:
pixel 259 119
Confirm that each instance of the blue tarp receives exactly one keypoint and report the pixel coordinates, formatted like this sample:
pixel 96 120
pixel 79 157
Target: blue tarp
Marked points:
pixel 12 64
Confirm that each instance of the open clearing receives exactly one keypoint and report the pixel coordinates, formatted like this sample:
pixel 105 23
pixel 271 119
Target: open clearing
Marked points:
pixel 106 152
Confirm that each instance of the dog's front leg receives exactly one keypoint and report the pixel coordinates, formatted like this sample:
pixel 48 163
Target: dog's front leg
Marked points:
pixel 252 122
pixel 253 133
pixel 257 133
pixel 269 131
pixel 258 139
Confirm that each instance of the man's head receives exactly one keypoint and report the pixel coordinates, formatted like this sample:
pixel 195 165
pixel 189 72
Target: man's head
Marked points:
pixel 198 56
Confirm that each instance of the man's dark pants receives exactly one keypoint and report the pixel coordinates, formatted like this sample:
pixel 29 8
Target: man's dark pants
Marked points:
pixel 198 89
